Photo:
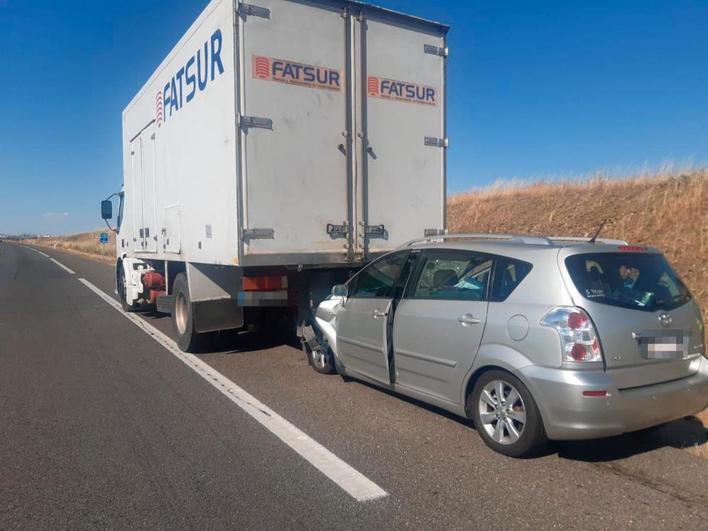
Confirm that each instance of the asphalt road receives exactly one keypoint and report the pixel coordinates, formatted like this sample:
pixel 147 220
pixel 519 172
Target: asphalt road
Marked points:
pixel 101 426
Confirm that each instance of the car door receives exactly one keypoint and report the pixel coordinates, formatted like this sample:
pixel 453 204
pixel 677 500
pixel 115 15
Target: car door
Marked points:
pixel 439 322
pixel 362 323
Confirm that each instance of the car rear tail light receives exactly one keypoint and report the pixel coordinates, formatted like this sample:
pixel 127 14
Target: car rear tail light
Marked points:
pixel 265 283
pixel 579 339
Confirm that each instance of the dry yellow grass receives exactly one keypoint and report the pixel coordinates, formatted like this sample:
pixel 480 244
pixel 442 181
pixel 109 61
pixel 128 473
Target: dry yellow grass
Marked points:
pixel 86 244
pixel 668 212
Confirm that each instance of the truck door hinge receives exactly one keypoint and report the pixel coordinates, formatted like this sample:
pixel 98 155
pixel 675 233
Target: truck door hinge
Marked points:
pixel 436 142
pixel 249 10
pixel 337 231
pixel 375 231
pixel 258 234
pixel 246 122
pixel 431 49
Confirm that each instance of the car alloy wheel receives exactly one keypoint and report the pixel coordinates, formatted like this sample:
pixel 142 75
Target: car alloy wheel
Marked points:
pixel 502 412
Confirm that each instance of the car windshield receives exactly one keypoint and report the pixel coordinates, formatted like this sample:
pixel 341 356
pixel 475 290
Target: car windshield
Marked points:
pixel 642 281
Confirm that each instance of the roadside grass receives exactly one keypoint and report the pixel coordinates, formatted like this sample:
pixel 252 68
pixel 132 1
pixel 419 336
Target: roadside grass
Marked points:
pixel 85 244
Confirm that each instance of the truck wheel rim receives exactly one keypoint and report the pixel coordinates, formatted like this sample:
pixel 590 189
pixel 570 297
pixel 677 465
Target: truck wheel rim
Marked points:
pixel 502 412
pixel 181 313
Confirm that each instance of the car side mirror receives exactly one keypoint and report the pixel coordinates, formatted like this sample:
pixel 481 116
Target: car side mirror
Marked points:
pixel 106 209
pixel 340 290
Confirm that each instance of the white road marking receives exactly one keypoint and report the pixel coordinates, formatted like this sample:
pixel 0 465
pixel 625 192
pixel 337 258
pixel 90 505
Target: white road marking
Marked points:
pixel 62 266
pixel 353 482
pixel 45 255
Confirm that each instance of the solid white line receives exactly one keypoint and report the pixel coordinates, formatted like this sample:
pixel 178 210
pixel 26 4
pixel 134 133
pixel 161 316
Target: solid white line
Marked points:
pixel 353 482
pixel 38 251
pixel 62 266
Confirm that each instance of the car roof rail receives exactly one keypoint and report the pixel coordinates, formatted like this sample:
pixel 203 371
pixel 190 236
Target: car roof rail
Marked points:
pixel 520 238
pixel 582 239
pixel 530 240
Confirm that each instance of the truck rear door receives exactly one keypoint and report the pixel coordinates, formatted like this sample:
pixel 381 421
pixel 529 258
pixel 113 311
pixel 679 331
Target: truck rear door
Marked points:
pixel 294 132
pixel 402 141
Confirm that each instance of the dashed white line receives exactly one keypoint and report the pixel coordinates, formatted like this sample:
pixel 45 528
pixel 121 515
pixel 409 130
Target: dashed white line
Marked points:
pixel 353 482
pixel 45 255
pixel 62 266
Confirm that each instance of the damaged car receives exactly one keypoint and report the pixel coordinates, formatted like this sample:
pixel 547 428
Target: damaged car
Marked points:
pixel 530 338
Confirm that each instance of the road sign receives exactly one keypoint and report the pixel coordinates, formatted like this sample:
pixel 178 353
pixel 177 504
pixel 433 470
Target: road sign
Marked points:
pixel 103 238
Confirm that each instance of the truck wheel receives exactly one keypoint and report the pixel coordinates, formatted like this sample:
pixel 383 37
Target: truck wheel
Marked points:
pixel 188 339
pixel 123 290
pixel 505 415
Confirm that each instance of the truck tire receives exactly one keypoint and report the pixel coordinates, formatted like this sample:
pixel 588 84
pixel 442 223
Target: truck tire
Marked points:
pixel 121 285
pixel 188 339
pixel 512 423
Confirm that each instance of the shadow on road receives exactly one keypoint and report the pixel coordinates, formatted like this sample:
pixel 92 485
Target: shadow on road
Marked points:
pixel 683 433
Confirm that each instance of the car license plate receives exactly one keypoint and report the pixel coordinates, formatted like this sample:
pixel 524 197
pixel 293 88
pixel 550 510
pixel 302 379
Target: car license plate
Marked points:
pixel 664 346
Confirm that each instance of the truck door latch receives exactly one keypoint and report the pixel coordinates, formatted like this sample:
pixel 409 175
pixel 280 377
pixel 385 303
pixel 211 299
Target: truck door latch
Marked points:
pixel 375 231
pixel 337 231
pixel 431 49
pixel 249 10
pixel 257 122
pixel 258 234
pixel 436 142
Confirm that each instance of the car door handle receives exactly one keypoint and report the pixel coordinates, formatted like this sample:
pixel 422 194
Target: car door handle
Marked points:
pixel 378 313
pixel 467 319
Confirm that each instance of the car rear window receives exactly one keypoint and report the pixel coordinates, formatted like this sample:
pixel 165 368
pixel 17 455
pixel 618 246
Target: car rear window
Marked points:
pixel 641 281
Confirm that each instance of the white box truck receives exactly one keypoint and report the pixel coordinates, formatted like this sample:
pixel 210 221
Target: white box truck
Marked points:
pixel 279 145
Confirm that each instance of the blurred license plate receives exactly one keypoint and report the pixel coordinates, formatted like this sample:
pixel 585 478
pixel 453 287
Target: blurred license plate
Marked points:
pixel 664 347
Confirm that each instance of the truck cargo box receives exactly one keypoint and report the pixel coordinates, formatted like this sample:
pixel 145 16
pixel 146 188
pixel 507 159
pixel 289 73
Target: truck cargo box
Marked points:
pixel 286 133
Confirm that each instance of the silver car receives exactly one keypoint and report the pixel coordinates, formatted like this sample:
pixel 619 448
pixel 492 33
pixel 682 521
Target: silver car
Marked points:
pixel 530 338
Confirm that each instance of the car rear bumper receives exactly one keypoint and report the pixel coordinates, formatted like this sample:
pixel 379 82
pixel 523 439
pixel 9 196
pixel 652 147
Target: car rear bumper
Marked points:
pixel 568 414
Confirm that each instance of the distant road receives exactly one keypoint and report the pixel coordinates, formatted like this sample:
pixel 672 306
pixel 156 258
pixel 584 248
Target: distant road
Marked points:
pixel 103 426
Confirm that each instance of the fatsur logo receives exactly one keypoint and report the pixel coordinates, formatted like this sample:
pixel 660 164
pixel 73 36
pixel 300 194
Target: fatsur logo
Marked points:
pixel 291 72
pixel 391 89
pixel 200 69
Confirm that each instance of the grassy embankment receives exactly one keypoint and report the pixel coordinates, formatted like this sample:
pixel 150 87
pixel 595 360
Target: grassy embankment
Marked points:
pixel 85 244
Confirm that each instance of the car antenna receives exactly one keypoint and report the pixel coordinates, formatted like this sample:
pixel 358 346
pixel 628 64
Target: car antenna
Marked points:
pixel 597 232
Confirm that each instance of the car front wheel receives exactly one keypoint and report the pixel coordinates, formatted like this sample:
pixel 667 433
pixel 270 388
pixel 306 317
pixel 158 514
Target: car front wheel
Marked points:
pixel 506 415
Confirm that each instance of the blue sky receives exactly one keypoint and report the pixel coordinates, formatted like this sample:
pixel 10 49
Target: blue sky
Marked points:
pixel 537 89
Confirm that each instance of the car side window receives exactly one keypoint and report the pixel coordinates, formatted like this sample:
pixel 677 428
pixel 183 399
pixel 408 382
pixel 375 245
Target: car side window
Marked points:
pixel 508 274
pixel 378 279
pixel 454 275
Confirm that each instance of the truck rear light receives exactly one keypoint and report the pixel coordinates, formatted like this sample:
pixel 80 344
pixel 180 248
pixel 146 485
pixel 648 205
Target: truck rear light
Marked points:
pixel 579 341
pixel 595 393
pixel 265 283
